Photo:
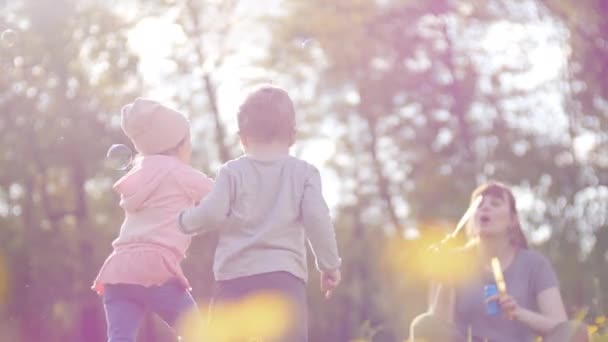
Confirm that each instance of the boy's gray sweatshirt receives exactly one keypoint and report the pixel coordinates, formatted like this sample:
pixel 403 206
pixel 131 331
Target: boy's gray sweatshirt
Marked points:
pixel 266 211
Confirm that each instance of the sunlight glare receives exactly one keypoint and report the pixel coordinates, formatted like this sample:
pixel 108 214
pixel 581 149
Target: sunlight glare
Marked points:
pixel 506 42
pixel 152 39
pixel 451 263
pixel 266 315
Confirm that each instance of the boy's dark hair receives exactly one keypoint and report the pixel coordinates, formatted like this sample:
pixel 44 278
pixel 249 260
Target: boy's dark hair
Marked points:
pixel 267 114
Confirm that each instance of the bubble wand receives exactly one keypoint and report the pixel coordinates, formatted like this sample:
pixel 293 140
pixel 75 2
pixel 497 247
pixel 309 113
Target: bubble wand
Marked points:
pixel 461 223
pixel 499 277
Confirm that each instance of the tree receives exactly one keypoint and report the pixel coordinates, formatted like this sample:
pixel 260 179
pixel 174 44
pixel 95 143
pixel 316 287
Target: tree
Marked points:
pixel 62 84
pixel 419 118
pixel 415 106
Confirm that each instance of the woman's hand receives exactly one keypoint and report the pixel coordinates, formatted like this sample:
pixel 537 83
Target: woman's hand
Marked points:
pixel 508 305
pixel 551 308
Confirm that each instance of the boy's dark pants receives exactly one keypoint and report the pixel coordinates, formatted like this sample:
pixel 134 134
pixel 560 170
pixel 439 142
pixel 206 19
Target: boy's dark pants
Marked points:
pixel 283 284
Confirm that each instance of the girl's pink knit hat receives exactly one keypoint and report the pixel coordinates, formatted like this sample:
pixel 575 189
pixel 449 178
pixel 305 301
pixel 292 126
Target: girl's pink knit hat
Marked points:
pixel 152 127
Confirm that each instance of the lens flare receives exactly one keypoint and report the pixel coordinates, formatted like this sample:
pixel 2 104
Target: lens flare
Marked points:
pixel 451 262
pixel 262 317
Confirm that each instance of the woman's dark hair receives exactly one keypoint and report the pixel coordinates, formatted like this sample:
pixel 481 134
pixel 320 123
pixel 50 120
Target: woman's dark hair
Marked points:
pixel 500 190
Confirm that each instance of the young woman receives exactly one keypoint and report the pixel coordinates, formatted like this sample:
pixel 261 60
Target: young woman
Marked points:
pixel 532 305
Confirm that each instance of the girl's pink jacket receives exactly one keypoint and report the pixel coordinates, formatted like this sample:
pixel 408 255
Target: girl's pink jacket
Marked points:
pixel 150 246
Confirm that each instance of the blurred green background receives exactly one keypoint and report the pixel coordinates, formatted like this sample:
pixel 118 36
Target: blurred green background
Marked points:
pixel 404 105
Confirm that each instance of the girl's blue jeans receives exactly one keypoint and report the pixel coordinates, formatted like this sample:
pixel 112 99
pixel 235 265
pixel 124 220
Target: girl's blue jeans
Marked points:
pixel 126 304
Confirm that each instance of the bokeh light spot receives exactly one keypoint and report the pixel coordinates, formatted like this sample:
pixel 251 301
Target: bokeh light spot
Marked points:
pixel 264 316
pixel 8 38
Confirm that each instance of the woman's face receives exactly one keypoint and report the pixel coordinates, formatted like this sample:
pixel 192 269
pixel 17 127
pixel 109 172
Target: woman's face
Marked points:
pixel 493 217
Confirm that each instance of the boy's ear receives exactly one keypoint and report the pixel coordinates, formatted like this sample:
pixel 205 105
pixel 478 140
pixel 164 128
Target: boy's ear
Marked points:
pixel 243 139
pixel 292 137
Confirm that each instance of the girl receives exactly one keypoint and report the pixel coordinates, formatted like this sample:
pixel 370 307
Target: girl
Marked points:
pixel 143 272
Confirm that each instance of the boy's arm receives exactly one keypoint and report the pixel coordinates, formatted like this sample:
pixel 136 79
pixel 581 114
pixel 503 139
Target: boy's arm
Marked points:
pixel 318 225
pixel 212 210
pixel 194 183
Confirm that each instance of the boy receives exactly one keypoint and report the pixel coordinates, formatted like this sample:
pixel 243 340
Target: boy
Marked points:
pixel 266 205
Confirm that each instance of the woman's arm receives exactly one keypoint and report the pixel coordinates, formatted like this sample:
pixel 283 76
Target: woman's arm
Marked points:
pixel 442 301
pixel 551 311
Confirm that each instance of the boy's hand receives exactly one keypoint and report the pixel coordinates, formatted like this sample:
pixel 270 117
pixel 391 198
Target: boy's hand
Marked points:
pixel 329 281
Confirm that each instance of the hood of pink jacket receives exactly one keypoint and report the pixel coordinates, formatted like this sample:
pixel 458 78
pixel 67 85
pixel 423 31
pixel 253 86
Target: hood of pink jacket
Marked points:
pixel 144 177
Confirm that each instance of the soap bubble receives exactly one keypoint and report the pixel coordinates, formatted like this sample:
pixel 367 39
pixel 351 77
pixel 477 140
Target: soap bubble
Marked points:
pixel 8 38
pixel 119 157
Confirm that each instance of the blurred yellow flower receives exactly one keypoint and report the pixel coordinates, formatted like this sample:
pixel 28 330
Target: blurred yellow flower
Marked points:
pixel 592 329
